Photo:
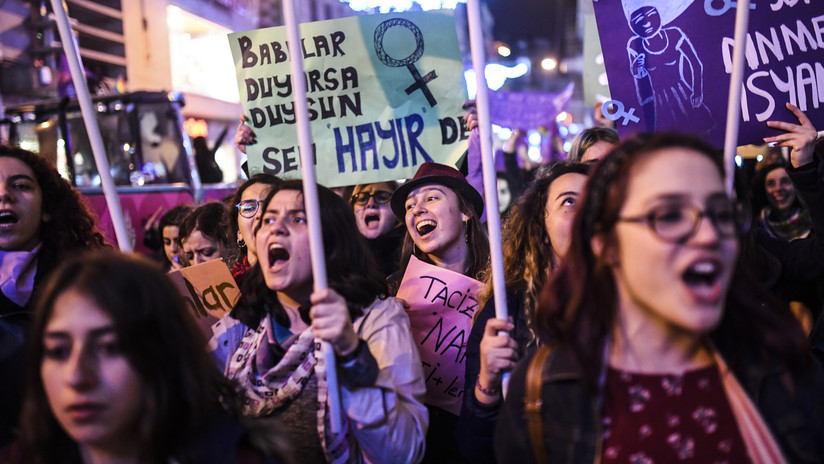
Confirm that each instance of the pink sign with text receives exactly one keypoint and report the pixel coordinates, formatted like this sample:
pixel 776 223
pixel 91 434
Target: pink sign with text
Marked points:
pixel 442 304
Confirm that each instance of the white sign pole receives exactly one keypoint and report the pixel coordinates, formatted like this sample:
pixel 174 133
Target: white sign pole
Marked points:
pixel 310 197
pixel 493 217
pixel 79 79
pixel 742 17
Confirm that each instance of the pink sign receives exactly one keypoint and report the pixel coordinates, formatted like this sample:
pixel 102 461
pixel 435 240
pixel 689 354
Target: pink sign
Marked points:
pixel 442 304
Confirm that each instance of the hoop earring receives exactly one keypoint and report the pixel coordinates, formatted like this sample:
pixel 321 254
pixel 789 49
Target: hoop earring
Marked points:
pixel 241 243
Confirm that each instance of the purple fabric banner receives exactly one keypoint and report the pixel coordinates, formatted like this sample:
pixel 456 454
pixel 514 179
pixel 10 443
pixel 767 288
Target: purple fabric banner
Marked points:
pixel 527 110
pixel 669 65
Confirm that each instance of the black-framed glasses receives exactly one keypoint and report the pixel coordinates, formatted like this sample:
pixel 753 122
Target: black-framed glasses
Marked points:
pixel 678 222
pixel 248 208
pixel 381 197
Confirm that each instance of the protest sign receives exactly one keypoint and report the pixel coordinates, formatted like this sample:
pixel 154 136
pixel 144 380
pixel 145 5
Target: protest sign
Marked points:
pixel 384 94
pixel 528 110
pixel 669 65
pixel 442 304
pixel 208 291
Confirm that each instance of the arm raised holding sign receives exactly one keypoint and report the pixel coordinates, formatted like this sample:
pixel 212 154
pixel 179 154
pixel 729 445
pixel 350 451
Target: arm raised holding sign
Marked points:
pixel 269 342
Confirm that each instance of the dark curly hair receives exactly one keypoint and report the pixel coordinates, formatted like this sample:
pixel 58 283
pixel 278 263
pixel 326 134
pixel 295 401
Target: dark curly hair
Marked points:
pixel 70 225
pixel 351 269
pixel 528 255
pixel 209 219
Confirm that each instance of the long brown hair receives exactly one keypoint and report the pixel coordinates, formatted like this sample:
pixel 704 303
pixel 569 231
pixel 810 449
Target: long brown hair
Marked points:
pixel 528 255
pixel 161 342
pixel 578 306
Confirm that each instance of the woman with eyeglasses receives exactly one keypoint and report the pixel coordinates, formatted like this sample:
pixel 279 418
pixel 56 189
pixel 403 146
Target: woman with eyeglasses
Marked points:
pixel 376 222
pixel 658 347
pixel 243 215
pixel 268 342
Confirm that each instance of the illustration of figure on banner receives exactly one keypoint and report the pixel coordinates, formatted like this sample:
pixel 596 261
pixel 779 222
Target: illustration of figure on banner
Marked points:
pixel 668 72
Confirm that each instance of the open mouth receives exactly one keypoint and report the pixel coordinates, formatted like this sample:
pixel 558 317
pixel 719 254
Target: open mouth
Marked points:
pixel 277 255
pixel 425 227
pixel 703 278
pixel 7 218
pixel 371 219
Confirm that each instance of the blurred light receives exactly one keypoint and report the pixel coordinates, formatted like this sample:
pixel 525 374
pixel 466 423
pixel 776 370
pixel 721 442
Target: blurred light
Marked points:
pixel 505 133
pixel 534 138
pixel 738 160
pixel 759 158
pixel 126 147
pixel 549 63
pixel 567 146
pixel 561 116
pixel 574 128
pixel 495 74
pixel 504 51
pixel 599 59
pixel 534 153
pixel 563 131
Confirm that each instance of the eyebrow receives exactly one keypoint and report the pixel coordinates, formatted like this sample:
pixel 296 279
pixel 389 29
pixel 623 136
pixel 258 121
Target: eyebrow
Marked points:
pixel 59 335
pixel 20 176
pixel 563 194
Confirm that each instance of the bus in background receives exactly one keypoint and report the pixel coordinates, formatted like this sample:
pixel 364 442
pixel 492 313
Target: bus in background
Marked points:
pixel 150 156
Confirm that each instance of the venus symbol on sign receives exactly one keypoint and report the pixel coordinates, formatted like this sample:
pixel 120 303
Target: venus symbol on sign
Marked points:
pixel 420 82
pixel 619 112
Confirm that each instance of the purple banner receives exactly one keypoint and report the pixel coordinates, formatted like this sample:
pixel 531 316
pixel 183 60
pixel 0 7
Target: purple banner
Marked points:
pixel 527 110
pixel 669 65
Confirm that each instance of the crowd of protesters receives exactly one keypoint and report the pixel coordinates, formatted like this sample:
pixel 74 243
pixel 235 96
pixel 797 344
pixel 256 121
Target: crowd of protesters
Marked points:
pixel 651 317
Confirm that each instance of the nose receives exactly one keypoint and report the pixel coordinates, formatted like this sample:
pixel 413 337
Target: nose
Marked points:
pixel 706 232
pixel 175 247
pixel 5 193
pixel 82 369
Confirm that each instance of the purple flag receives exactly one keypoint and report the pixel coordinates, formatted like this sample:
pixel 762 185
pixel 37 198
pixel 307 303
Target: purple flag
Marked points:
pixel 527 110
pixel 669 65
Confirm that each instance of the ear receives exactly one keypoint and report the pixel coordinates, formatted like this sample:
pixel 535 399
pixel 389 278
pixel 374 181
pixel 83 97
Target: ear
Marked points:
pixel 604 252
pixel 465 217
pixel 239 237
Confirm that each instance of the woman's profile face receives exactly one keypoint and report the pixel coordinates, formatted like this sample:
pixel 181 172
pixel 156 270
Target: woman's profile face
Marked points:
pixel 678 285
pixel 780 190
pixel 171 242
pixel 21 206
pixel 92 389
pixel 199 248
pixel 561 204
pixel 434 219
pixel 373 213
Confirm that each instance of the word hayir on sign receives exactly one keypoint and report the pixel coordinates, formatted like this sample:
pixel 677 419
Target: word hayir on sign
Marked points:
pixel 382 97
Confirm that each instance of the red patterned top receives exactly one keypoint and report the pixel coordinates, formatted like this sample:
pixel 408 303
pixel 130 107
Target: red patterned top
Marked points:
pixel 666 418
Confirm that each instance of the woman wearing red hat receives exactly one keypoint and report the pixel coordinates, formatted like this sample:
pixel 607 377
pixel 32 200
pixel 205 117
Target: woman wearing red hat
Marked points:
pixel 442 214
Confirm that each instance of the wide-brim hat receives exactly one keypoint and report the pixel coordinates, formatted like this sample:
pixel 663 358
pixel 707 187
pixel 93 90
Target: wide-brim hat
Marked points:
pixel 441 174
